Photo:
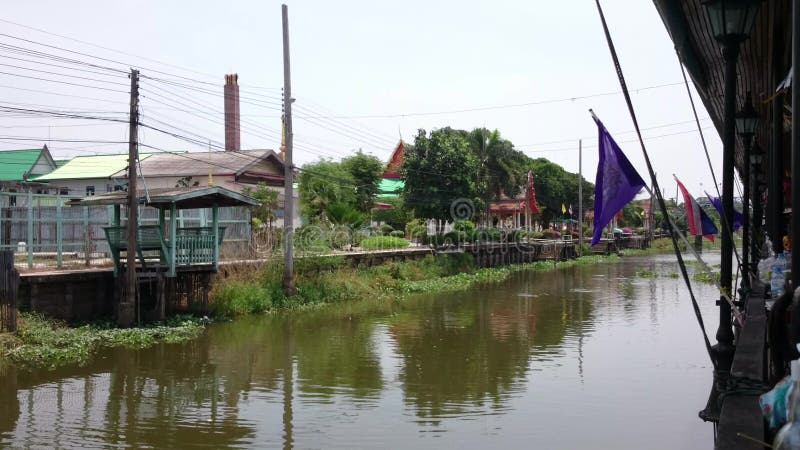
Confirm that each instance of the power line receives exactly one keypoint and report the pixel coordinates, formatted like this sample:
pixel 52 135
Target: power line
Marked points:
pixel 488 108
pixel 125 53
pixel 64 82
pixel 561 141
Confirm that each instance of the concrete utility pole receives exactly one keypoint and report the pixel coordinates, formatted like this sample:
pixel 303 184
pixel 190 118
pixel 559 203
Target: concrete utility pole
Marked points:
pixel 288 209
pixel 580 197
pixel 126 308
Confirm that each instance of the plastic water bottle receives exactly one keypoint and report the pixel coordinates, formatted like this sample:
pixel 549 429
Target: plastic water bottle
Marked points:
pixel 777 282
pixel 789 435
pixel 780 260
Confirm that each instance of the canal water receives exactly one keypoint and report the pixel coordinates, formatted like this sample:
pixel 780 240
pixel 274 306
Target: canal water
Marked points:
pixel 585 357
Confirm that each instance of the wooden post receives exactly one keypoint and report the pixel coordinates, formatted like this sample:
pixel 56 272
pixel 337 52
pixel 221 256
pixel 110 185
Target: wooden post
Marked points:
pixel 9 282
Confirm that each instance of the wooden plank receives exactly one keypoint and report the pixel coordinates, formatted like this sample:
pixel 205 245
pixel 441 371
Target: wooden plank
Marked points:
pixel 740 412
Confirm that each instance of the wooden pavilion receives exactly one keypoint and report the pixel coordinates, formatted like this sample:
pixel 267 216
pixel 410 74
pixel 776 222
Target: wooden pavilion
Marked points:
pixel 175 263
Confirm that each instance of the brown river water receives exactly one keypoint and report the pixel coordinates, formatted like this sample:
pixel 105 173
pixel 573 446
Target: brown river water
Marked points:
pixel 584 357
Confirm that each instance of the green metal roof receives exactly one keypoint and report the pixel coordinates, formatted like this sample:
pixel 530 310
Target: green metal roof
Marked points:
pixel 97 166
pixel 183 197
pixel 14 163
pixel 390 187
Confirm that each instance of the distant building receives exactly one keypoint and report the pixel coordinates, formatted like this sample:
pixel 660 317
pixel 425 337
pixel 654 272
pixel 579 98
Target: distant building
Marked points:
pixel 391 184
pixel 231 170
pixel 84 176
pixel 25 165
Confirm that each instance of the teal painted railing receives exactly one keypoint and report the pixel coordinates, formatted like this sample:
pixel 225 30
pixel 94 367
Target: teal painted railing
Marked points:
pixel 45 231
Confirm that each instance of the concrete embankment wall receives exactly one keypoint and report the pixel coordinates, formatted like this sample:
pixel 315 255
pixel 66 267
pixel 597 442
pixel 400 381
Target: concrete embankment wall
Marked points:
pixel 82 295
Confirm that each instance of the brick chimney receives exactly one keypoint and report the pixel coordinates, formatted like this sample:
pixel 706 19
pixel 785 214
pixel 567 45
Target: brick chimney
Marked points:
pixel 232 135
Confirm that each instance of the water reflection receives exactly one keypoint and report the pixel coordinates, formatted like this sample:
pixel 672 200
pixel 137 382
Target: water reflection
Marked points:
pixel 459 366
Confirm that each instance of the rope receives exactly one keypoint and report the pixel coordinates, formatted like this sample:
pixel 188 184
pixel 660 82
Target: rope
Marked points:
pixel 736 386
pixel 657 191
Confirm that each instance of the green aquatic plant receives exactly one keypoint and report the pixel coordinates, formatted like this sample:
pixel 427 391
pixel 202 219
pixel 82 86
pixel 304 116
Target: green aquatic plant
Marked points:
pixel 706 277
pixel 646 274
pixel 46 343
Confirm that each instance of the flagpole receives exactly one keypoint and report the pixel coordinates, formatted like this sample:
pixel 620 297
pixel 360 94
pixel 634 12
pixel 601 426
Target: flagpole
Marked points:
pixel 580 197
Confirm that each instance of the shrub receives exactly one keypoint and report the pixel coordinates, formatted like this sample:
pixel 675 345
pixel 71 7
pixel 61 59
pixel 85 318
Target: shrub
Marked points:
pixel 516 235
pixel 238 297
pixel 417 228
pixel 383 242
pixel 385 229
pixel 311 237
pixel 455 237
pixel 358 236
pixel 397 233
pixel 465 226
pixel 436 240
pixel 551 234
pixel 536 235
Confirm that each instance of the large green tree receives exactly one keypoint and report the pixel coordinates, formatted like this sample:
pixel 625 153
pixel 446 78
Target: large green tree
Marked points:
pixel 502 168
pixel 555 186
pixel 366 171
pixel 440 175
pixel 324 183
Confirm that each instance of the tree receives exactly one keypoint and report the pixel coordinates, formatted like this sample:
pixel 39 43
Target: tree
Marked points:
pixel 502 168
pixel 267 198
pixel 397 216
pixel 366 171
pixel 187 182
pixel 439 171
pixel 632 215
pixel 555 187
pixel 322 184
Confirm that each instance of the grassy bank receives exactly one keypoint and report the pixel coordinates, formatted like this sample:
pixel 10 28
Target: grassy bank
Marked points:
pixel 331 280
pixel 47 343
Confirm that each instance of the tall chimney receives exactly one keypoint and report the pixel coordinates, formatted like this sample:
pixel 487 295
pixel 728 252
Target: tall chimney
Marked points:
pixel 232 135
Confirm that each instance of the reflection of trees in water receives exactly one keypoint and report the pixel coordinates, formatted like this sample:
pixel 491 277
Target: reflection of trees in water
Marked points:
pixel 331 352
pixel 467 349
pixel 166 397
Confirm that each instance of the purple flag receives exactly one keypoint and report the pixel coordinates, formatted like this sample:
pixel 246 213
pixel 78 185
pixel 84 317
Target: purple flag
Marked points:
pixel 738 218
pixel 616 184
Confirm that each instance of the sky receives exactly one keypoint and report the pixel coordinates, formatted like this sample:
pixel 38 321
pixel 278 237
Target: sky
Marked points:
pixel 364 74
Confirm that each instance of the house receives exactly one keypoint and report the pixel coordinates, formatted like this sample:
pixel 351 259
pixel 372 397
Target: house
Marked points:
pixel 25 165
pixel 233 170
pixel 85 176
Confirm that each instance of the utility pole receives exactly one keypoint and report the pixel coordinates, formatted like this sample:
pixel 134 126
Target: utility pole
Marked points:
pixel 288 209
pixel 126 307
pixel 580 197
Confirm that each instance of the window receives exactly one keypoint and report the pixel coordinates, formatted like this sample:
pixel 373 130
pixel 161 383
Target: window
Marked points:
pixel 89 191
pixel 63 191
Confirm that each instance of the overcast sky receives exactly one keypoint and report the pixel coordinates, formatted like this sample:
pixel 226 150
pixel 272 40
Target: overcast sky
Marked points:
pixel 367 72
